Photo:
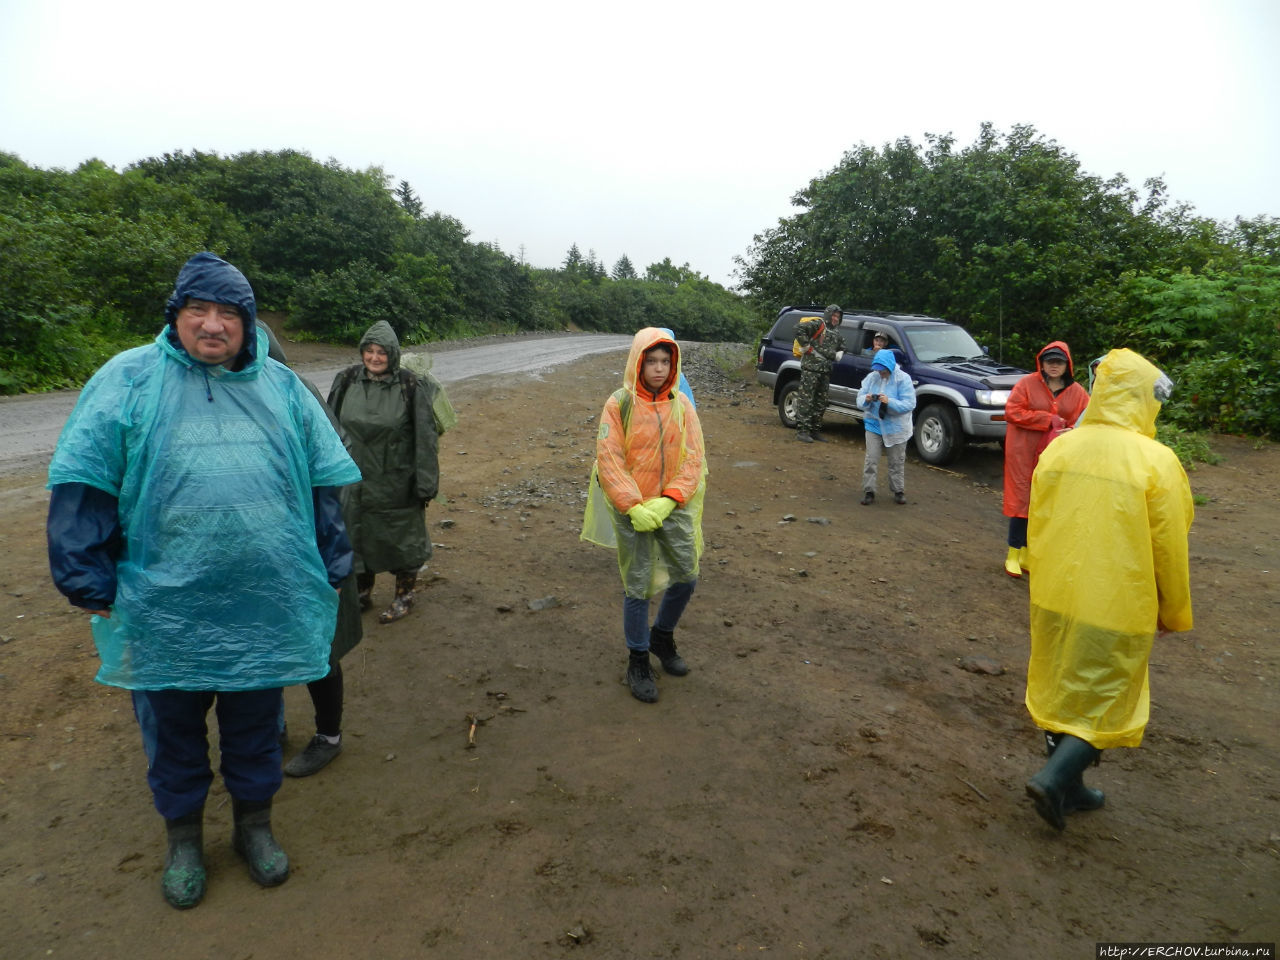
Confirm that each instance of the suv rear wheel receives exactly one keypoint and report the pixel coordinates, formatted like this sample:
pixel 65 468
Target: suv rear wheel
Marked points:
pixel 789 403
pixel 938 437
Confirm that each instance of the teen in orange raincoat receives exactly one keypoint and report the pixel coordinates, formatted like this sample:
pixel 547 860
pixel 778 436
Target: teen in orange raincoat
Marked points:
pixel 646 497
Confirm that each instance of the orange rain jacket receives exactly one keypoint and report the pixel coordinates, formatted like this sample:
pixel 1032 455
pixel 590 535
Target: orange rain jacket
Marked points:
pixel 648 445
pixel 653 448
pixel 1029 412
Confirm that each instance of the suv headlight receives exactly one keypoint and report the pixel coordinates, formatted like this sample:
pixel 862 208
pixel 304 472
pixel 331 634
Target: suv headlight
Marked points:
pixel 992 398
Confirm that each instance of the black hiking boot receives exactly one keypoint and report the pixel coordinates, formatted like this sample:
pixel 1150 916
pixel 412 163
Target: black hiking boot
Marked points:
pixel 640 677
pixel 662 644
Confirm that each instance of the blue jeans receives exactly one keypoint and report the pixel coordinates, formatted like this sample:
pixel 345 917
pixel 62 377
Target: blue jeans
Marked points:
pixel 635 614
pixel 175 738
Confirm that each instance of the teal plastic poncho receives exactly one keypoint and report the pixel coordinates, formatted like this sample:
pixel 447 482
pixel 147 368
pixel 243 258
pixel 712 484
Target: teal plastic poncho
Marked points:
pixel 220 585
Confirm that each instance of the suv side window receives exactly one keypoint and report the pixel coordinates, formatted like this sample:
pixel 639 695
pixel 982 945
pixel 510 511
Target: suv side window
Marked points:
pixel 868 348
pixel 785 329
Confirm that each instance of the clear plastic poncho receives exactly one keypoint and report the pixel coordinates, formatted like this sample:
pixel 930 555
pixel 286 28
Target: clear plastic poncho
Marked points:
pixel 220 585
pixel 1108 521
pixel 648 446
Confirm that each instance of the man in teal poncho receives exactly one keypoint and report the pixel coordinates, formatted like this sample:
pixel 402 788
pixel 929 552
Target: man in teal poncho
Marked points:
pixel 194 509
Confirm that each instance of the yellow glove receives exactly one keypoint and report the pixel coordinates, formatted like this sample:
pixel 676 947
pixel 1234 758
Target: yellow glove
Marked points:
pixel 643 519
pixel 661 507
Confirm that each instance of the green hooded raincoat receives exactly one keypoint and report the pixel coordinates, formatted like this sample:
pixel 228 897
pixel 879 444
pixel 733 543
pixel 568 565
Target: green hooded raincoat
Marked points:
pixel 391 433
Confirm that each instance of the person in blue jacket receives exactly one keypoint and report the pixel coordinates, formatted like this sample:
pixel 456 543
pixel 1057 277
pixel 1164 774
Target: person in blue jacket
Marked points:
pixel 886 398
pixel 194 511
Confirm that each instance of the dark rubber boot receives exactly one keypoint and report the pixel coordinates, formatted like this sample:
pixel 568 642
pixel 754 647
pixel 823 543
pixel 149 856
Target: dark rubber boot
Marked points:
pixel 400 606
pixel 1078 796
pixel 364 588
pixel 1082 798
pixel 253 840
pixel 662 644
pixel 804 437
pixel 1057 779
pixel 640 677
pixel 184 878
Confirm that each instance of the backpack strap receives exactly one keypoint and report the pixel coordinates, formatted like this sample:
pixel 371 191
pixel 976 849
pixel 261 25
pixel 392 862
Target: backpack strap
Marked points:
pixel 344 380
pixel 340 386
pixel 408 385
pixel 623 396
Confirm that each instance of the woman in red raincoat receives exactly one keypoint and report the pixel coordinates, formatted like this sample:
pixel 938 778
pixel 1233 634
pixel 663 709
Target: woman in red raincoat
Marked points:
pixel 1041 405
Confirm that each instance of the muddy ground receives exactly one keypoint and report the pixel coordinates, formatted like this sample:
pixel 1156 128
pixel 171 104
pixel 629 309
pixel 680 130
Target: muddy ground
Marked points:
pixel 829 781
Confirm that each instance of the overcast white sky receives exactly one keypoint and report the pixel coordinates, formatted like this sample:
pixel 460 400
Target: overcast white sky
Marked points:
pixel 655 129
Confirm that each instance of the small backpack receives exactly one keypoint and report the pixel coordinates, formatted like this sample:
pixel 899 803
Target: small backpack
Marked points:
pixel 799 351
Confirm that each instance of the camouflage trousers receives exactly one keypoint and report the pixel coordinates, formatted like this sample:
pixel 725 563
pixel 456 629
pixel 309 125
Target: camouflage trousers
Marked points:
pixel 812 400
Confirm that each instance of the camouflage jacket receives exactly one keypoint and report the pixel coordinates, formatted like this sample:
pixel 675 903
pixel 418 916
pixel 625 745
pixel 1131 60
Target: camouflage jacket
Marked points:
pixel 820 343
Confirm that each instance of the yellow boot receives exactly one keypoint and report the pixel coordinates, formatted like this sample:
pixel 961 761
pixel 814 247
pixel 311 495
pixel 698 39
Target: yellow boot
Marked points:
pixel 1024 559
pixel 1011 565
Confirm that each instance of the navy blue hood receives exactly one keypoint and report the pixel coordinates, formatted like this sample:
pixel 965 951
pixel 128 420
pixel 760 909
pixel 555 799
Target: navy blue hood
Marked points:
pixel 209 277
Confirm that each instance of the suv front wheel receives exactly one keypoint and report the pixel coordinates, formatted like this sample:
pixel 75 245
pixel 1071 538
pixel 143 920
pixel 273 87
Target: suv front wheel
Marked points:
pixel 789 403
pixel 938 436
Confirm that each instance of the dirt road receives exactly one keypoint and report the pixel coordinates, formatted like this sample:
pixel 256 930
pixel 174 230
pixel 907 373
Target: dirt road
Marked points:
pixel 30 424
pixel 829 782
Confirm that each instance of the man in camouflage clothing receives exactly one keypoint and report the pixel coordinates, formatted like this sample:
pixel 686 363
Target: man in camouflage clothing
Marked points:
pixel 822 346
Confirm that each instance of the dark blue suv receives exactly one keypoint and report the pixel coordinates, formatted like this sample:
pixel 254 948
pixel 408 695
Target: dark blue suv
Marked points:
pixel 960 391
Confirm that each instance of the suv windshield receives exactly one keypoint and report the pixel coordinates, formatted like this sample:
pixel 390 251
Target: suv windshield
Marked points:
pixel 943 342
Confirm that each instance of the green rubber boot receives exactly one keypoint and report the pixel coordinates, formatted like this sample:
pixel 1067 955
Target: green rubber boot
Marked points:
pixel 1057 789
pixel 253 840
pixel 183 880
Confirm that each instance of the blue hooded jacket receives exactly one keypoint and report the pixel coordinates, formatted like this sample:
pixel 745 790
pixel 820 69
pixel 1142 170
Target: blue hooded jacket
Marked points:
pixel 211 564
pixel 895 425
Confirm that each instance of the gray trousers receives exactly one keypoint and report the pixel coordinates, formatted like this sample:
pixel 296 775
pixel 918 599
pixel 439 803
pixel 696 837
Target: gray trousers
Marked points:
pixel 897 455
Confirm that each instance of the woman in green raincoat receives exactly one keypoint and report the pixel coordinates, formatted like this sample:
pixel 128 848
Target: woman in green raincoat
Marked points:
pixel 1108 521
pixel 386 412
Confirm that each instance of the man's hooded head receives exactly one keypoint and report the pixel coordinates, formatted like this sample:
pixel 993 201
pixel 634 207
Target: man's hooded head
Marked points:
pixel 209 278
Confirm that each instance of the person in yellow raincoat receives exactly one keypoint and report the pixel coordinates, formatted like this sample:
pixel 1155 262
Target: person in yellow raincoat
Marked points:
pixel 647 488
pixel 1108 521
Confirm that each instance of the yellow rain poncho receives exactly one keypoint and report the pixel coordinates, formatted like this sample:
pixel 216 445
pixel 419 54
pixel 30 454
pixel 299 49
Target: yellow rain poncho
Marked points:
pixel 649 445
pixel 1108 521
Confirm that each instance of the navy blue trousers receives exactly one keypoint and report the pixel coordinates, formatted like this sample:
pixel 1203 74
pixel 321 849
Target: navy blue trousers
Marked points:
pixel 635 614
pixel 175 736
